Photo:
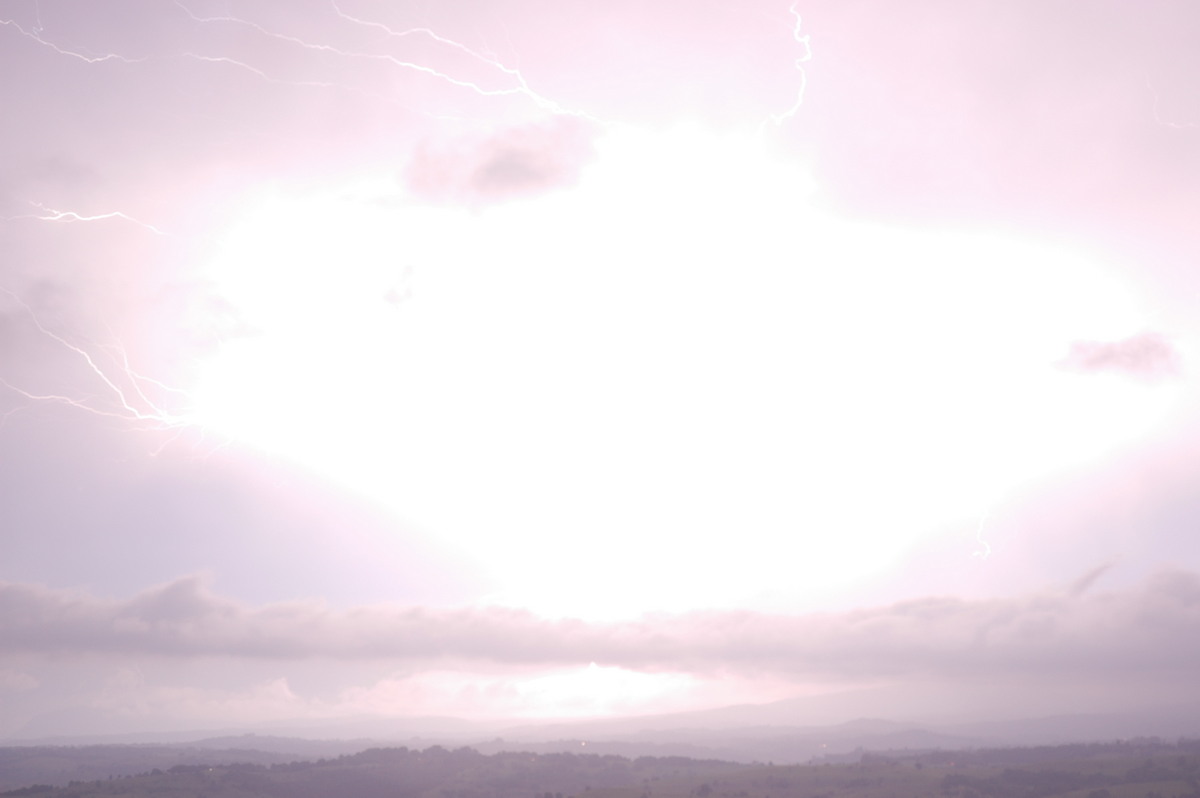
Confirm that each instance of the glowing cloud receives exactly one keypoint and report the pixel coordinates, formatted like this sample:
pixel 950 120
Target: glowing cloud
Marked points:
pixel 679 351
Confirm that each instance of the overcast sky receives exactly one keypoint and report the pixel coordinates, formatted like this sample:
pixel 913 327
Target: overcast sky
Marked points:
pixel 558 358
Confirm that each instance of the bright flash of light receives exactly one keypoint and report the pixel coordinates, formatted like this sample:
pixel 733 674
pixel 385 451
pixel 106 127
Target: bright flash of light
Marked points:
pixel 599 690
pixel 681 373
pixel 591 691
pixel 125 394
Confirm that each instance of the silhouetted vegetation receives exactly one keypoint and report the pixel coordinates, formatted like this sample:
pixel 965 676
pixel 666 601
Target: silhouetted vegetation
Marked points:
pixel 1136 769
pixel 57 765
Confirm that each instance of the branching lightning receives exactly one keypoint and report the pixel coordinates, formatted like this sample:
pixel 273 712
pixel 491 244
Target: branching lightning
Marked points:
pixel 36 35
pixel 521 87
pixel 53 215
pixel 123 393
pixel 129 403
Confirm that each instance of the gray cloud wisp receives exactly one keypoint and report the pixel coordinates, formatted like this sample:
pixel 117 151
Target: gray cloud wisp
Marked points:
pixel 1146 356
pixel 1148 629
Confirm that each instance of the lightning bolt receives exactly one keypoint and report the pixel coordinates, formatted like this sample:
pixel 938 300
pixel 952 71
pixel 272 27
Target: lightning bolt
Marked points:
pixel 520 86
pixel 131 401
pixel 35 34
pixel 53 215
pixel 122 393
pixel 803 39
pixel 125 394
pixel 123 398
pixel 265 32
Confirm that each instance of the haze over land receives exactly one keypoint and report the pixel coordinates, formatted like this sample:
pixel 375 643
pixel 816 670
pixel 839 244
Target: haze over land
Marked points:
pixel 372 369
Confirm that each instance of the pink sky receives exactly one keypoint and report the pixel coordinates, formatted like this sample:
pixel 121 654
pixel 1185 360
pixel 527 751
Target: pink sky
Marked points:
pixel 559 359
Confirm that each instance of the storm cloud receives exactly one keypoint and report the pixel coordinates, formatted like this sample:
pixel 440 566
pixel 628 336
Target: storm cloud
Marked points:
pixel 1149 629
pixel 357 310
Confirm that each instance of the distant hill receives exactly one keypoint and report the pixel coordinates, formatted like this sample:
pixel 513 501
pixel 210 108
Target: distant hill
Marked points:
pixel 782 732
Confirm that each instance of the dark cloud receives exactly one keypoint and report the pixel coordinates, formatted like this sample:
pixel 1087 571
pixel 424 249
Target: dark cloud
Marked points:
pixel 518 161
pixel 1146 356
pixel 1148 630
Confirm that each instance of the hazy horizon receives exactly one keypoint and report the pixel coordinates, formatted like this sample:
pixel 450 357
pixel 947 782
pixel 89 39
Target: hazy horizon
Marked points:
pixel 538 360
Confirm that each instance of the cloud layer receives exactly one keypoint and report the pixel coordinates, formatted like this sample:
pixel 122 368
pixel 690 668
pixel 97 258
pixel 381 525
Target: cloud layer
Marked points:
pixel 1143 631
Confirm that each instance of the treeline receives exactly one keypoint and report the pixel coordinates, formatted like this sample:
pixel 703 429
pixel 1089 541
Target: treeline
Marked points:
pixel 21 766
pixel 396 773
pixel 1034 755
pixel 1162 773
pixel 1139 769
